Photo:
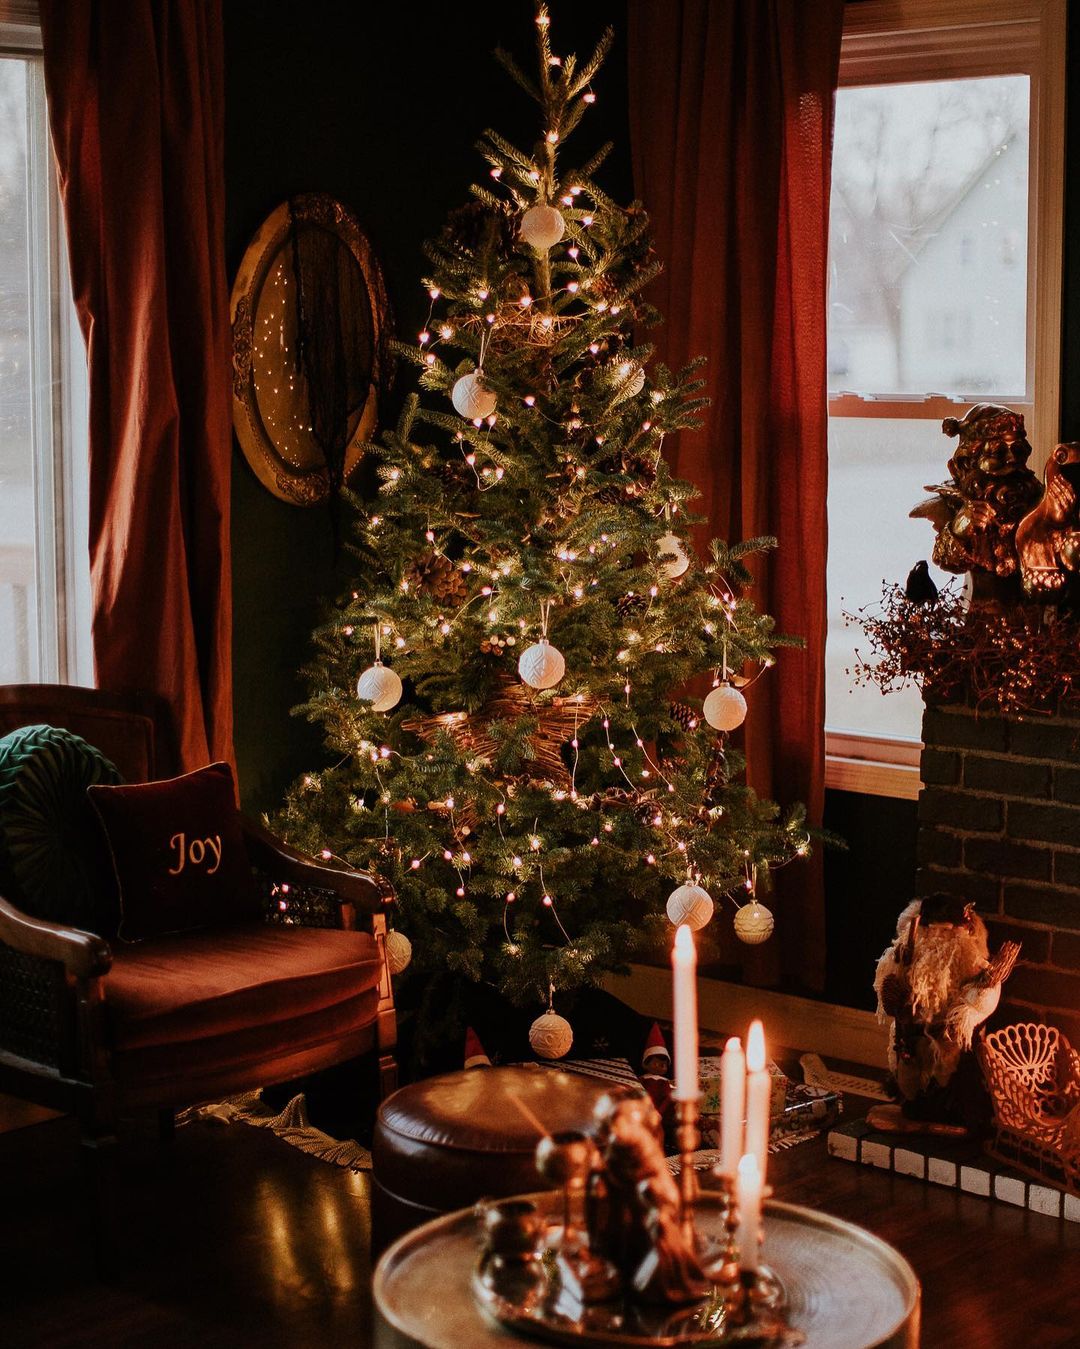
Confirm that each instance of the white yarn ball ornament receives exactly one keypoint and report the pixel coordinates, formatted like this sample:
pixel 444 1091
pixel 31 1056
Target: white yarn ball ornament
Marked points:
pixel 541 666
pixel 673 567
pixel 542 227
pixel 472 398
pixel 398 951
pixel 551 1036
pixel 380 687
pixel 754 923
pixel 689 905
pixel 725 708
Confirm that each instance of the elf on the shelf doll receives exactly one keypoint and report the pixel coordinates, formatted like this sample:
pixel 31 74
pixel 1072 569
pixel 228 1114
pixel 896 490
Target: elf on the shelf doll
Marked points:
pixel 475 1053
pixel 655 1070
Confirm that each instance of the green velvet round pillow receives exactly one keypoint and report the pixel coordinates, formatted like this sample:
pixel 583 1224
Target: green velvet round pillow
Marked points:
pixel 54 862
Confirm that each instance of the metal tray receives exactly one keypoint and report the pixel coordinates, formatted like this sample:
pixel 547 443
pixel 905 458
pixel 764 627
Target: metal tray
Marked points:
pixel 844 1287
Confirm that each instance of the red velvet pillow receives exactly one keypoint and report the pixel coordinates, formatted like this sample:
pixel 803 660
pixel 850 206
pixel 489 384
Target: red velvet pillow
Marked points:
pixel 178 852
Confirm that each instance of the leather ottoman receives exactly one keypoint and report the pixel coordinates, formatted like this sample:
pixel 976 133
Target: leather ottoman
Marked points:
pixel 446 1142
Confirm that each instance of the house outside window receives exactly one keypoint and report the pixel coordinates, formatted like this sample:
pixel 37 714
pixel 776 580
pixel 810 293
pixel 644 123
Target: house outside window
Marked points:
pixel 945 278
pixel 44 568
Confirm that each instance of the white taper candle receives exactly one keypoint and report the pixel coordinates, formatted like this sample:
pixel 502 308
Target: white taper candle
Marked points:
pixel 732 1105
pixel 684 979
pixel 757 1098
pixel 748 1188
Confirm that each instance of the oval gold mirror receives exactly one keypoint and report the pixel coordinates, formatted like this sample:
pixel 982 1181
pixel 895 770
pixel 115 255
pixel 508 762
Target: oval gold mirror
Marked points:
pixel 310 322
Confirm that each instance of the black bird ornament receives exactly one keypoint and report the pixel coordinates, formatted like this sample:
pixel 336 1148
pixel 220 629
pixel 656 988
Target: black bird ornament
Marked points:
pixel 920 587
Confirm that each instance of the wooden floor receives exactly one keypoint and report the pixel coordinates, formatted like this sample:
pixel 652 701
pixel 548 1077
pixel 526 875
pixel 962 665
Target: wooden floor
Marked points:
pixel 234 1238
pixel 231 1238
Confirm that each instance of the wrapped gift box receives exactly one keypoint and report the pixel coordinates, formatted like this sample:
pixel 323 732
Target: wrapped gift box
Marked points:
pixel 709 1081
pixel 807 1108
pixel 792 1106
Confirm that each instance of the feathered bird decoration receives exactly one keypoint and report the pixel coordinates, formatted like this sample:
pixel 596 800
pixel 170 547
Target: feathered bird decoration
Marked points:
pixel 920 587
pixel 980 995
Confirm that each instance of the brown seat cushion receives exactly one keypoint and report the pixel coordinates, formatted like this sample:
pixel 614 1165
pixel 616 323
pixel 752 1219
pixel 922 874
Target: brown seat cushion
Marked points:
pixel 443 1143
pixel 231 995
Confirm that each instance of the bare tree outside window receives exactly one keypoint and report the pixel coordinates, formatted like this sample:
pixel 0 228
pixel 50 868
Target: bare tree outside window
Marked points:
pixel 929 195
pixel 928 296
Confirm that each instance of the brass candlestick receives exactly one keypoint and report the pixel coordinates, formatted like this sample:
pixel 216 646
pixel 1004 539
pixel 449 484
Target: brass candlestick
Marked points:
pixel 565 1159
pixel 687 1138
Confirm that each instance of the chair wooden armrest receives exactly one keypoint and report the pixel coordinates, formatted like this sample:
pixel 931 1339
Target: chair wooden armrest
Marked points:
pixel 83 955
pixel 367 894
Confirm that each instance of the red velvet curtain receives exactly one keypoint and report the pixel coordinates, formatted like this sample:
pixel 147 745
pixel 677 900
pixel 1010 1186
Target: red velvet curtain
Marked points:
pixel 731 105
pixel 136 103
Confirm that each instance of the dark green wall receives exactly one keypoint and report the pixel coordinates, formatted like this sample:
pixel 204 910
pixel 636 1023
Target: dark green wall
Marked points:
pixel 380 106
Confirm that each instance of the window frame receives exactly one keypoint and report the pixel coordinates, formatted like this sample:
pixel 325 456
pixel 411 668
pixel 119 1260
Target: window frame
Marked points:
pixel 59 411
pixel 908 41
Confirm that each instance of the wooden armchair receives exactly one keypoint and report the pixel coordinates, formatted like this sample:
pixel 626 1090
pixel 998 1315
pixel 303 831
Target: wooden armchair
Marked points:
pixel 103 1029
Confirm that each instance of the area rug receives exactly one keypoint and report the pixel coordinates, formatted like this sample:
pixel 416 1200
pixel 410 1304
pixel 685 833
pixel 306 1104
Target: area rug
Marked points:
pixel 291 1125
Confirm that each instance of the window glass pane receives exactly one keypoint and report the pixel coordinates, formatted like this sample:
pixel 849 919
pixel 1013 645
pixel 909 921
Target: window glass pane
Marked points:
pixel 878 468
pixel 18 587
pixel 928 238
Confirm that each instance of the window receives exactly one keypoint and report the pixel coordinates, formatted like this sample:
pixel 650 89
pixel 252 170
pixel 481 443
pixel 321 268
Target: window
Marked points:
pixel 944 290
pixel 44 569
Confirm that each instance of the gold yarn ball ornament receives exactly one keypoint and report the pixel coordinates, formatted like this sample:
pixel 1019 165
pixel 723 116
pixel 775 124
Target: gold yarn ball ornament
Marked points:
pixel 398 951
pixel 690 905
pixel 380 687
pixel 754 923
pixel 551 1036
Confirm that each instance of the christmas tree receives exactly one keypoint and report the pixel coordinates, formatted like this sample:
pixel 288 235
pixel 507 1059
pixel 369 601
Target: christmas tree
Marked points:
pixel 501 688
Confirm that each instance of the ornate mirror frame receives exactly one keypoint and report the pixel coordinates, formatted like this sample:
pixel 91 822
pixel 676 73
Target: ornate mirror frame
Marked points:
pixel 298 474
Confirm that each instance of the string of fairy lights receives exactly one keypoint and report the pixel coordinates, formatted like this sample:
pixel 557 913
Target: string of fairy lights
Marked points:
pixel 461 858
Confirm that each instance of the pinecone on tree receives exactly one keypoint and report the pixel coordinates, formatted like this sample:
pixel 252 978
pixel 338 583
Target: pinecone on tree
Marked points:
pixel 603 288
pixel 435 575
pixel 641 466
pixel 641 469
pixel 630 603
pixel 454 474
pixel 685 715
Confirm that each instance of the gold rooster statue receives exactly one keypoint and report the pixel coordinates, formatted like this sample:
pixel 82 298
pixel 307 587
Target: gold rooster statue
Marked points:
pixel 1048 538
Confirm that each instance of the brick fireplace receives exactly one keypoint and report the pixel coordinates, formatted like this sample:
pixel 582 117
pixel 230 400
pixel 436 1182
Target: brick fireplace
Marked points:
pixel 999 822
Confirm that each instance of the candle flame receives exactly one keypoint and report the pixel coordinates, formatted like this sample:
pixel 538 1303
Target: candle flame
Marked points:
pixel 733 1044
pixel 684 943
pixel 755 1049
